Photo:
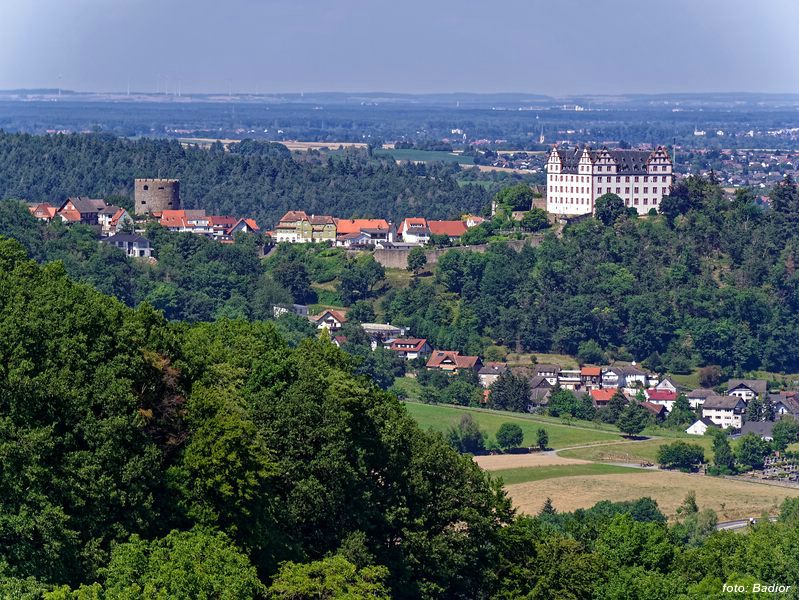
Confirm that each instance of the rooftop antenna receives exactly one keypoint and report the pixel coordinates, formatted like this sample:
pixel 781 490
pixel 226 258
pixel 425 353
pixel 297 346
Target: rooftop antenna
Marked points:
pixel 59 85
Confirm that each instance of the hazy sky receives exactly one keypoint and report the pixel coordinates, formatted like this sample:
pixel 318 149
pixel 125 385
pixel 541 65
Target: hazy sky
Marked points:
pixel 550 47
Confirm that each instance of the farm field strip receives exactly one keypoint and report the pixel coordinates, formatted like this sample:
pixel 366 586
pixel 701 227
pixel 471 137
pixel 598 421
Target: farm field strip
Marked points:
pixel 441 418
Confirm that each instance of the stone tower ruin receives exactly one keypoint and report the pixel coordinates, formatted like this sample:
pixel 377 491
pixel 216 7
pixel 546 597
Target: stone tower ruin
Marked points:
pixel 156 195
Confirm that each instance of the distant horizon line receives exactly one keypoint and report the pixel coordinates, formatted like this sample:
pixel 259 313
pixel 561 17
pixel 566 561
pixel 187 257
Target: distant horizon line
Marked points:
pixel 230 93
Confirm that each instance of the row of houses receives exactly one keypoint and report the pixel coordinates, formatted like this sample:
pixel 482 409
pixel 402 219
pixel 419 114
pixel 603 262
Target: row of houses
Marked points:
pixel 296 226
pixel 110 219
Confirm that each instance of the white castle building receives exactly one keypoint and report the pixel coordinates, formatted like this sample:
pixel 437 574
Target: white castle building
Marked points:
pixel 577 177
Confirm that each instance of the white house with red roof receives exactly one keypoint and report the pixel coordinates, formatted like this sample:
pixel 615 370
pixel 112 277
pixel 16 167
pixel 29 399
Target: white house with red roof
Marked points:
pixel 662 397
pixel 410 348
pixel 414 230
pixel 452 360
pixel 330 319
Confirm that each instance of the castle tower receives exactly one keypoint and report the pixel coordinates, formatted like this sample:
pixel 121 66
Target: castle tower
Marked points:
pixel 156 195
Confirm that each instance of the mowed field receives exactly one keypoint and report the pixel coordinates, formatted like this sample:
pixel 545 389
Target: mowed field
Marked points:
pixel 524 475
pixel 633 453
pixel 441 418
pixel 730 499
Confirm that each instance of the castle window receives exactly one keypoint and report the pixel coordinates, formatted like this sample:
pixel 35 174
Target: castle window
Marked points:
pixel 146 187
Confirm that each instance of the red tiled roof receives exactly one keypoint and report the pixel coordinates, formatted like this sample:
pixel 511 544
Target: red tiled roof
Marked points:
pixel 407 344
pixel 72 216
pixel 603 395
pixel 294 215
pixel 43 210
pixel 461 362
pixel 449 228
pixel 591 371
pixel 336 314
pixel 656 409
pixel 222 220
pixel 117 216
pixel 180 218
pixel 661 395
pixel 345 226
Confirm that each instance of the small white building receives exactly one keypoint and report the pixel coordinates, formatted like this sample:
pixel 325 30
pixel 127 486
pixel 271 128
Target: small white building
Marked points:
pixel 330 319
pixel 700 426
pixel 135 246
pixel 414 231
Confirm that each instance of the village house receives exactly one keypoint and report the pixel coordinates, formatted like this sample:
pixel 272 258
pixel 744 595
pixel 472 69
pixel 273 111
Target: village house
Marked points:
pixel 410 348
pixel 451 229
pixel 43 211
pixel 381 333
pixel 548 372
pixel 601 397
pixel 81 210
pixel 243 226
pixel 697 397
pixel 700 426
pixel 332 320
pixel 297 227
pixel 667 383
pixel 221 225
pixel 539 397
pixel 624 377
pixel 414 231
pixel 591 377
pixel 134 246
pixel 113 219
pixel 187 221
pixel 453 361
pixel 785 403
pixel 570 379
pixel 725 411
pixel 762 429
pixel 490 372
pixel 658 410
pixel 664 397
pixel 747 389
pixel 363 232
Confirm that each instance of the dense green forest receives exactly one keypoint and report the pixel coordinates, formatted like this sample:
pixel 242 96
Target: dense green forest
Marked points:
pixel 255 179
pixel 710 281
pixel 149 459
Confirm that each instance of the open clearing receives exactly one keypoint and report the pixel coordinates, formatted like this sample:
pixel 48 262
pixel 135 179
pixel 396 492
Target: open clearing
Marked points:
pixel 522 475
pixel 497 462
pixel 441 418
pixel 634 452
pixel 730 499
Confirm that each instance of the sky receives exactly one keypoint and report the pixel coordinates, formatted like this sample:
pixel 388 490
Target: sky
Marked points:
pixel 554 47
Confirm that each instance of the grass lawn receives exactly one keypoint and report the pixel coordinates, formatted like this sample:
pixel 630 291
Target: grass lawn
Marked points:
pixel 440 418
pixel 634 452
pixel 525 474
pixel 410 386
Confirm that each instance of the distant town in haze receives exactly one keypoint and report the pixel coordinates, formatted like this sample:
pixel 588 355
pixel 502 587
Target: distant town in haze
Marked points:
pixel 264 343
